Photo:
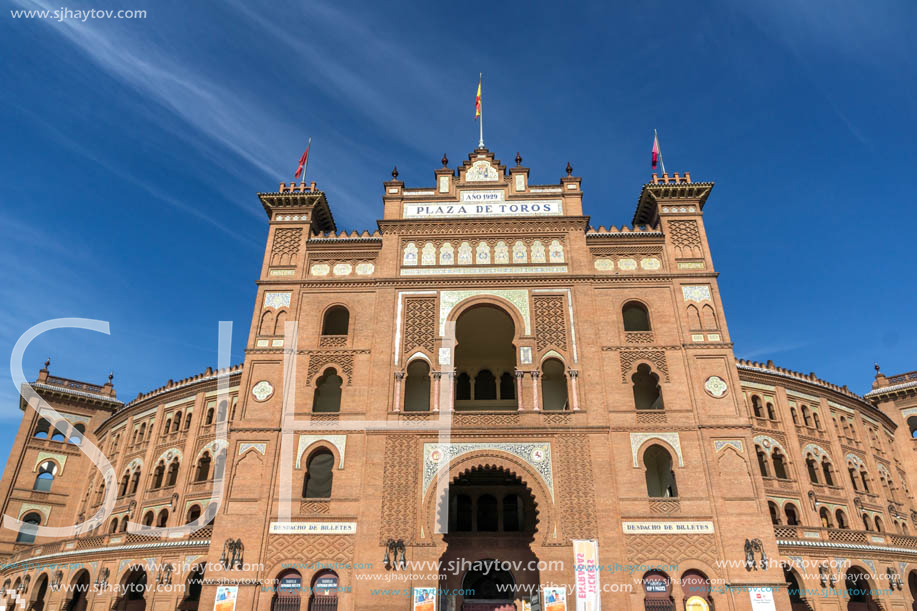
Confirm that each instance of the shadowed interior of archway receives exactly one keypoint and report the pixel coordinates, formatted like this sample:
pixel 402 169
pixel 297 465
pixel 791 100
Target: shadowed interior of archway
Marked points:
pixel 485 360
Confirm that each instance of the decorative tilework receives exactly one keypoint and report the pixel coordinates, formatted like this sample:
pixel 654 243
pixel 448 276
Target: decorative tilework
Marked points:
pixel 638 439
pixel 719 444
pixel 338 441
pixel 437 457
pixel 213 447
pixel 263 390
pixel 698 293
pixel 277 300
pixel 716 386
pixel 481 171
pixel 60 459
pixel 260 448
pixel 449 299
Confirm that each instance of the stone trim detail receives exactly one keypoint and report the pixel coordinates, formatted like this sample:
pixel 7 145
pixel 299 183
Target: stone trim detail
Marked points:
pixel 638 439
pixel 338 441
pixel 629 358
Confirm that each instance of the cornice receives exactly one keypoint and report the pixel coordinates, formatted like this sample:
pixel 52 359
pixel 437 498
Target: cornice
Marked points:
pixel 487 225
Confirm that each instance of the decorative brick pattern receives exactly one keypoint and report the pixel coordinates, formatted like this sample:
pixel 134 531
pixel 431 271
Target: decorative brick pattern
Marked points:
pixel 656 357
pixel 686 239
pixel 674 548
pixel 285 246
pixel 550 322
pixel 319 360
pixel 400 486
pixel 419 323
pixel 576 494
pixel 314 547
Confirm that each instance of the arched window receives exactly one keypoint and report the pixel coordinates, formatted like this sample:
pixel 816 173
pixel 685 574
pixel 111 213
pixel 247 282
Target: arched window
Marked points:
pixel 336 321
pixel 487 513
pixel 463 387
pixel 187 421
pixel 142 433
pixel 148 518
pixel 660 478
pixel 29 527
pixel 176 424
pixel 172 475
pixel 647 392
pixel 319 475
pixel 163 518
pixel 507 387
pixel 792 516
pixel 770 411
pixel 113 527
pixel 825 517
pixel 512 513
pixel 794 416
pixel 56 434
pixel 125 480
pixel 167 427
pixel 208 417
pixel 756 406
pixel 841 518
pixel 463 513
pixel 203 468
pixel 816 421
pixel 123 527
pixel 417 387
pixel 158 474
pixel 636 317
pixel 288 593
pixel 42 429
pixel 76 435
pixel 485 386
pixel 864 478
pixel 193 514
pixel 45 477
pixel 879 527
pixel 657 591
pixel 327 396
pixel 866 523
pixel 775 513
pixel 805 416
pixel 553 385
pixel 812 469
pixel 100 494
pixel 762 461
pixel 135 481
pixel 827 471
pixel 853 478
pixel 779 464
pixel 912 425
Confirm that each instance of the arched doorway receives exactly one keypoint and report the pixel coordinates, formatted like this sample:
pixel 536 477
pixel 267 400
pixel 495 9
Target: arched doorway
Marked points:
pixel 324 589
pixel 859 593
pixel 794 590
pixel 38 593
pixel 79 586
pixel 288 594
pixel 484 355
pixel 492 585
pixel 657 592
pixel 133 589
pixel 912 586
pixel 488 507
pixel 193 587
pixel 696 588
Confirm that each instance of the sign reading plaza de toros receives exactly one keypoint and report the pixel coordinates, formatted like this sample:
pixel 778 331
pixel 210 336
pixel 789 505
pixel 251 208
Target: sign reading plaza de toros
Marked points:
pixel 483 203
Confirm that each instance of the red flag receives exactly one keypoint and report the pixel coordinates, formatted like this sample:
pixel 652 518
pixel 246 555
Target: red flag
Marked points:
pixel 655 150
pixel 305 159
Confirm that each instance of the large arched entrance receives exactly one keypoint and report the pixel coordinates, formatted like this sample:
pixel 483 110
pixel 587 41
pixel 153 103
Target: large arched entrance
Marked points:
pixel 133 589
pixel 324 589
pixel 39 591
pixel 859 590
pixel 798 602
pixel 80 590
pixel 288 594
pixel 489 587
pixel 492 521
pixel 912 586
pixel 193 586
pixel 485 360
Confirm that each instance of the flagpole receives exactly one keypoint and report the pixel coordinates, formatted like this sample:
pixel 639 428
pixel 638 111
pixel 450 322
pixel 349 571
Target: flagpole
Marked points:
pixel 308 148
pixel 661 162
pixel 481 118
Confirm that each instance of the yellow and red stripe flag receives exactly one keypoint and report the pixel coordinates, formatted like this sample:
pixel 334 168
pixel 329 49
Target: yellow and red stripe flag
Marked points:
pixel 477 101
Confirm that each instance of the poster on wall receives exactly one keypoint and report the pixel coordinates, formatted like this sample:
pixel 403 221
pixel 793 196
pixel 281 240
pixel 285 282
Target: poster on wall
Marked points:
pixel 586 565
pixel 762 599
pixel 554 599
pixel 226 598
pixel 424 599
pixel 696 603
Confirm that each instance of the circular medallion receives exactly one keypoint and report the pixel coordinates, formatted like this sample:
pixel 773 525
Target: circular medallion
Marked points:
pixel 262 391
pixel 436 455
pixel 715 386
pixel 537 455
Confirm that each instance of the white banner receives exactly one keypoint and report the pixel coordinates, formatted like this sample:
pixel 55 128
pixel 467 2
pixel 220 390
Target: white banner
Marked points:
pixel 762 599
pixel 586 566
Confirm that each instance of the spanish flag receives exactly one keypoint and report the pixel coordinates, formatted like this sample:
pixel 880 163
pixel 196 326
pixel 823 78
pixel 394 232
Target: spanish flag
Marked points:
pixel 477 101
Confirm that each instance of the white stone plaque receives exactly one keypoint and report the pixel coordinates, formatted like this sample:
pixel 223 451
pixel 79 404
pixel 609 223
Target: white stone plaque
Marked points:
pixel 667 528
pixel 313 528
pixel 491 208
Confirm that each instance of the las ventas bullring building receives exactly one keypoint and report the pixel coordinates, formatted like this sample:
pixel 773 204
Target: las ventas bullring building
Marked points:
pixel 484 377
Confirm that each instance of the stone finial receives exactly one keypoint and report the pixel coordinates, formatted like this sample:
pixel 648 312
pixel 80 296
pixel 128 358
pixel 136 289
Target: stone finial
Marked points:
pixel 48 364
pixel 569 169
pixel 395 173
pixel 518 159
pixel 445 160
pixel 111 376
pixel 876 365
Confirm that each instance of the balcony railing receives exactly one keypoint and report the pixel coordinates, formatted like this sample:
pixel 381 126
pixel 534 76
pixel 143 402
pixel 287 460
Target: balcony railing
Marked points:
pixel 838 535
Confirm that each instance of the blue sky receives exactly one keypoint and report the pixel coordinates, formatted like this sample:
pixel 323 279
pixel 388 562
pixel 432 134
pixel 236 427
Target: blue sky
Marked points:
pixel 134 149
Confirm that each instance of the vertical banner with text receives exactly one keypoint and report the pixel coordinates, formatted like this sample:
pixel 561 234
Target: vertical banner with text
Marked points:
pixel 586 565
